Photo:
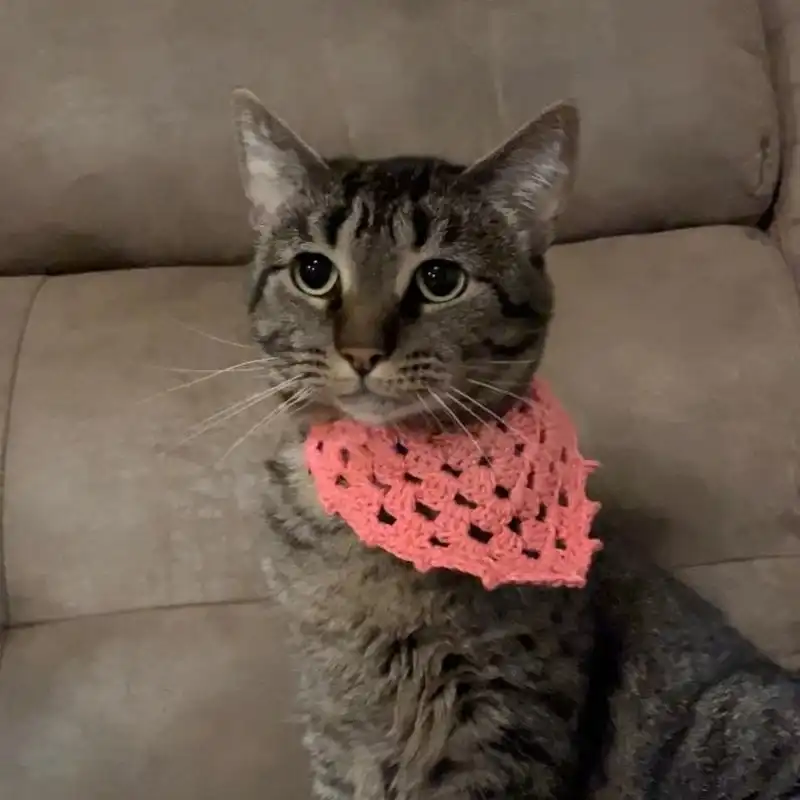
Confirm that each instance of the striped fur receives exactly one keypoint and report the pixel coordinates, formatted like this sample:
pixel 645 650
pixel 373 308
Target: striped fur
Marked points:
pixel 427 687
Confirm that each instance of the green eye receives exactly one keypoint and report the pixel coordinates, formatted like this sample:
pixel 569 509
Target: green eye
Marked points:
pixel 440 280
pixel 314 274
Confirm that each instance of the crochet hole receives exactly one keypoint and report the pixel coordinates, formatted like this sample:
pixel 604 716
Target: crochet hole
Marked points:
pixel 407 476
pixel 563 498
pixel 563 455
pixel 534 554
pixel 501 492
pixel 515 525
pixel 426 511
pixel 400 449
pixel 384 487
pixel 385 517
pixel 320 446
pixel 479 534
pixel 502 427
pixel 531 478
pixel 342 481
pixel 437 542
pixel 560 544
pixel 542 515
pixel 484 461
pixel 519 449
pixel 460 500
pixel 542 436
pixel 456 473
pixel 344 454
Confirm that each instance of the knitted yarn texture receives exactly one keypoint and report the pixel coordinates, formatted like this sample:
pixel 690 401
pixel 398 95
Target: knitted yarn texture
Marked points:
pixel 506 504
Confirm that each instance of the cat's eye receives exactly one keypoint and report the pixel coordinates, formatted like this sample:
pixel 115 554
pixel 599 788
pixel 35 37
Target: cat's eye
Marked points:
pixel 439 280
pixel 314 274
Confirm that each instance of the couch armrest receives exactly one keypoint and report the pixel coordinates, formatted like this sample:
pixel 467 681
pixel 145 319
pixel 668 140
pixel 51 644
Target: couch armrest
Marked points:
pixel 782 23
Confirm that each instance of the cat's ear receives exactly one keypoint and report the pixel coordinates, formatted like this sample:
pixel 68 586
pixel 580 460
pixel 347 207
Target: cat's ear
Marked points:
pixel 529 177
pixel 275 163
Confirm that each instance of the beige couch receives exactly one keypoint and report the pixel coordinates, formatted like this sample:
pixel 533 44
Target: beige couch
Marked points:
pixel 141 658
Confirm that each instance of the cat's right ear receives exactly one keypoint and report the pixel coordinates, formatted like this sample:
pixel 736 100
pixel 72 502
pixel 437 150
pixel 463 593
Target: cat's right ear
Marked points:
pixel 276 165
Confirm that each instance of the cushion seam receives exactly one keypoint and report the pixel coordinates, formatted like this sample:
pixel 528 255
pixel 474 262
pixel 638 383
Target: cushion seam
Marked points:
pixel 137 610
pixel 5 605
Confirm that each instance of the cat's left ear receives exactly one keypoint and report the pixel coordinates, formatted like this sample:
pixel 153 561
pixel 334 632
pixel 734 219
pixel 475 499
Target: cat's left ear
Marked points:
pixel 276 165
pixel 529 178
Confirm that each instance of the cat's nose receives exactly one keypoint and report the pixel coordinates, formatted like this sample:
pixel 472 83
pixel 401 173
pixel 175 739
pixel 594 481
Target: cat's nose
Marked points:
pixel 362 359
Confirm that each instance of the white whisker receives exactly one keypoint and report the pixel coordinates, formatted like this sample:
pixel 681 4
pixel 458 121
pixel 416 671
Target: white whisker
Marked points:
pixel 494 415
pixel 195 370
pixel 511 361
pixel 201 379
pixel 480 419
pixel 211 336
pixel 233 410
pixel 286 405
pixel 466 408
pixel 449 411
pixel 430 413
pixel 507 382
pixel 499 390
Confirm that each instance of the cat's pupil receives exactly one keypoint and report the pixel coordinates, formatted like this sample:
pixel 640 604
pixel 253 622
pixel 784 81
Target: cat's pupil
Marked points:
pixel 441 278
pixel 313 270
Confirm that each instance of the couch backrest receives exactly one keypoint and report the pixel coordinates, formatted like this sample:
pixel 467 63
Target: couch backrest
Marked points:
pixel 115 143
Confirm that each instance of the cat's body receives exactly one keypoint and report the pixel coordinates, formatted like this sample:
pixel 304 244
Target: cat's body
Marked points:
pixel 428 687
pixel 388 292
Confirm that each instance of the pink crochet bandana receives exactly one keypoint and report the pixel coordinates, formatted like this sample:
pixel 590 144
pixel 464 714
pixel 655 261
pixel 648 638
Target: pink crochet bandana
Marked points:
pixel 508 505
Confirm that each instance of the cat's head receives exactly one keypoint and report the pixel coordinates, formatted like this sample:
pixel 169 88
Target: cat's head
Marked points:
pixel 386 289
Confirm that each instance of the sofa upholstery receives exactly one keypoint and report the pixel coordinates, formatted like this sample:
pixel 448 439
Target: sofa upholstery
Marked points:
pixel 782 25
pixel 141 655
pixel 680 123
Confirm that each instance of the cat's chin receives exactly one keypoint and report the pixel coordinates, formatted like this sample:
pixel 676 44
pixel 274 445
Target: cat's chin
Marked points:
pixel 372 409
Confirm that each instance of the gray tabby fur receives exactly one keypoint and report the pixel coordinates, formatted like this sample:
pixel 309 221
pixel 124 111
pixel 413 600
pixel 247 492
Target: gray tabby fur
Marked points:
pixel 428 687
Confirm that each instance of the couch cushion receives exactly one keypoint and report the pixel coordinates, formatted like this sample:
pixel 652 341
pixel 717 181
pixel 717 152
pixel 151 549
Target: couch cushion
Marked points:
pixel 16 296
pixel 678 354
pixel 782 19
pixel 186 704
pixel 105 510
pixel 116 141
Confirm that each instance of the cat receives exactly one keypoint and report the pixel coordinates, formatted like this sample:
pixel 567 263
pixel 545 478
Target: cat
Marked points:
pixel 394 291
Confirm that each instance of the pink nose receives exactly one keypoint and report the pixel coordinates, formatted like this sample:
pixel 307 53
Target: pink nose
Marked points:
pixel 362 359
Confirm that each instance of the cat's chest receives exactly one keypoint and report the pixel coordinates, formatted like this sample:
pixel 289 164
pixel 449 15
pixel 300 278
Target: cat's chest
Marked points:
pixel 321 571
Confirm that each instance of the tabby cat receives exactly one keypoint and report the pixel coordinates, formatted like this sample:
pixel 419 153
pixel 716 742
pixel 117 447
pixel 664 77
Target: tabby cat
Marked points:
pixel 395 291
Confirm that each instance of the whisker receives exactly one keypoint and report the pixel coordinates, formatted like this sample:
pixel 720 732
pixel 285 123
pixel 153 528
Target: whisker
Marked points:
pixel 501 391
pixel 449 411
pixel 494 415
pixel 477 417
pixel 430 413
pixel 286 405
pixel 194 370
pixel 211 336
pixel 508 382
pixel 466 408
pixel 233 410
pixel 201 379
pixel 223 416
pixel 510 361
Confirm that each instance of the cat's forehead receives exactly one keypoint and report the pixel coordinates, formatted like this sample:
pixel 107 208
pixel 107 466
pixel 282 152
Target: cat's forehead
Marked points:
pixel 379 217
pixel 402 200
